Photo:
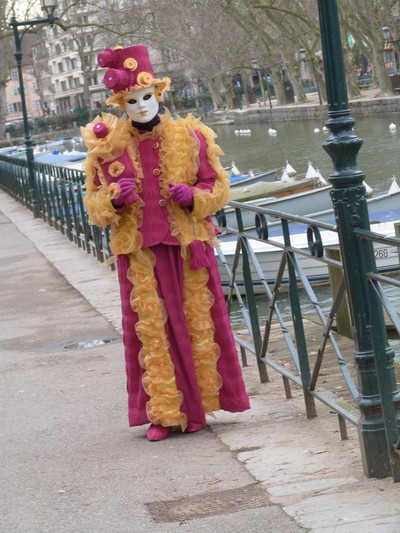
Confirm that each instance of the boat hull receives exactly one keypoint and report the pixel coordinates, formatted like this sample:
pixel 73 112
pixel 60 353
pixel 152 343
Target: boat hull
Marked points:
pixel 249 179
pixel 379 207
pixel 270 257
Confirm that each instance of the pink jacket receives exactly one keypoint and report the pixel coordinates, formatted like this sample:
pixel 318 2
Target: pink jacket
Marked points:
pixel 155 226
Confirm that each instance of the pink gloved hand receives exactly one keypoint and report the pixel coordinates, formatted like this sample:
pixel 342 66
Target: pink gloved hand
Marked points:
pixel 127 195
pixel 181 194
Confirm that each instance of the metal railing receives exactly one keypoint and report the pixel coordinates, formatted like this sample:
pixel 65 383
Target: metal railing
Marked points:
pixel 314 358
pixel 59 196
pixel 306 352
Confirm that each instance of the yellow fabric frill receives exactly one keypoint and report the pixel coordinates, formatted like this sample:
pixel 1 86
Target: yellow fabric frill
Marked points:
pixel 158 379
pixel 198 303
pixel 179 151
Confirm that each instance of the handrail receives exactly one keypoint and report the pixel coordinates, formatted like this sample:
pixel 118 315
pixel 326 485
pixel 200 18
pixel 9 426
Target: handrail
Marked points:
pixel 307 353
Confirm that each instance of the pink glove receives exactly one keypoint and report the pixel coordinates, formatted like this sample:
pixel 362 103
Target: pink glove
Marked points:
pixel 127 195
pixel 181 194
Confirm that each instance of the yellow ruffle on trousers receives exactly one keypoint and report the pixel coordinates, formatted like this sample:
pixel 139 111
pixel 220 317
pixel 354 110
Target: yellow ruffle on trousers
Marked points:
pixel 159 383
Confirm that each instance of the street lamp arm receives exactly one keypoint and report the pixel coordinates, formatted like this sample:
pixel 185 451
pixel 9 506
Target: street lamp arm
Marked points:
pixel 16 23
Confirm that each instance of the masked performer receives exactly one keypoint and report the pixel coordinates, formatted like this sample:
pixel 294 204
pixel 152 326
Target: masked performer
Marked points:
pixel 156 181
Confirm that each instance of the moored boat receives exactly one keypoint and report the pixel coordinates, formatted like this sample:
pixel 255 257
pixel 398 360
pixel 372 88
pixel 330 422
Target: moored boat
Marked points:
pixel 277 189
pixel 269 256
pixel 303 203
pixel 253 176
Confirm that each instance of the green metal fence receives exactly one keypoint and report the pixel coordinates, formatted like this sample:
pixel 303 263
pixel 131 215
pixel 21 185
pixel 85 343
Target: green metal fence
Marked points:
pixel 59 195
pixel 316 359
pixel 318 363
pixel 373 399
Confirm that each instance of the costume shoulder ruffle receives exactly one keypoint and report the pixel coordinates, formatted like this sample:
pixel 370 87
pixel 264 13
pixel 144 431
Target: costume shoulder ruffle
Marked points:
pixel 111 142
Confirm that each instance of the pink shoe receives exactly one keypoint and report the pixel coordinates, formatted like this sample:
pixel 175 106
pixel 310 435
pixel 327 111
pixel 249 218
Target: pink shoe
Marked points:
pixel 192 427
pixel 156 432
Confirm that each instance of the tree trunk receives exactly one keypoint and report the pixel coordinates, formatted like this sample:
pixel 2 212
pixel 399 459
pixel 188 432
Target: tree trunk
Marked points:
pixel 3 109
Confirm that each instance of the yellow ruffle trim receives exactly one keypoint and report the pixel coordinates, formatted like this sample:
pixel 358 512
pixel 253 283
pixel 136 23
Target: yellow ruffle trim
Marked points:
pixel 179 154
pixel 198 303
pixel 158 379
pixel 110 146
pixel 179 163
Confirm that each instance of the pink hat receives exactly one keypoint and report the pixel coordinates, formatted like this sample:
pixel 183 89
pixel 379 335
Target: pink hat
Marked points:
pixel 129 69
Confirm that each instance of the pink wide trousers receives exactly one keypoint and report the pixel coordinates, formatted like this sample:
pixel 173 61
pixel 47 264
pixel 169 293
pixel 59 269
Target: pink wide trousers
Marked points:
pixel 169 274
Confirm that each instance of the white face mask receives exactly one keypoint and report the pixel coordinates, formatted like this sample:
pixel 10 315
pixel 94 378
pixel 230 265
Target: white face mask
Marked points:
pixel 142 105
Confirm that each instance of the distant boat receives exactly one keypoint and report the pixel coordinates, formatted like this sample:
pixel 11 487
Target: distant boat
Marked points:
pixel 253 176
pixel 60 158
pixel 296 200
pixel 261 189
pixel 50 153
pixel 298 203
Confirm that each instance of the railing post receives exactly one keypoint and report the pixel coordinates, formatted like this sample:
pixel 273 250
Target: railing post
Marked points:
pixel 251 300
pixel 348 197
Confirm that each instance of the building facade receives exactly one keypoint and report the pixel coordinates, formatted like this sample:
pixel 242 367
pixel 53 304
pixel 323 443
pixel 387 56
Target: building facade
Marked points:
pixel 13 95
pixel 61 74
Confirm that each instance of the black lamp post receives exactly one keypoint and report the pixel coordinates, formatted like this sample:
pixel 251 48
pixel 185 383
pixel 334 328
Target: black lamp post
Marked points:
pixel 302 54
pixel 254 64
pixel 48 6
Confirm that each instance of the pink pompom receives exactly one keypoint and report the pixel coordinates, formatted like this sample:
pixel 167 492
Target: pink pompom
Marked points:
pixel 117 80
pixel 107 58
pixel 100 130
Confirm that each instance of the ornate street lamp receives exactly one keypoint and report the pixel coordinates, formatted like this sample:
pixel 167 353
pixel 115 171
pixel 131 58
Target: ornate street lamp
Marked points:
pixel 254 64
pixel 304 59
pixel 48 6
pixel 378 399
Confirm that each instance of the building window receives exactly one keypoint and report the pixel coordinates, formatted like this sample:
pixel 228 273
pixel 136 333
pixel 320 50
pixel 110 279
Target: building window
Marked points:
pixel 16 91
pixel 77 83
pixel 14 74
pixel 60 67
pixel 74 63
pixel 63 86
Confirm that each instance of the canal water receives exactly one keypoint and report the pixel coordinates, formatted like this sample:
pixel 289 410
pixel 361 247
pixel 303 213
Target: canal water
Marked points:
pixel 298 143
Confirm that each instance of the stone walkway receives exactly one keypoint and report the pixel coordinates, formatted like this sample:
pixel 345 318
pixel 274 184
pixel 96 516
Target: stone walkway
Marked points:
pixel 70 463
